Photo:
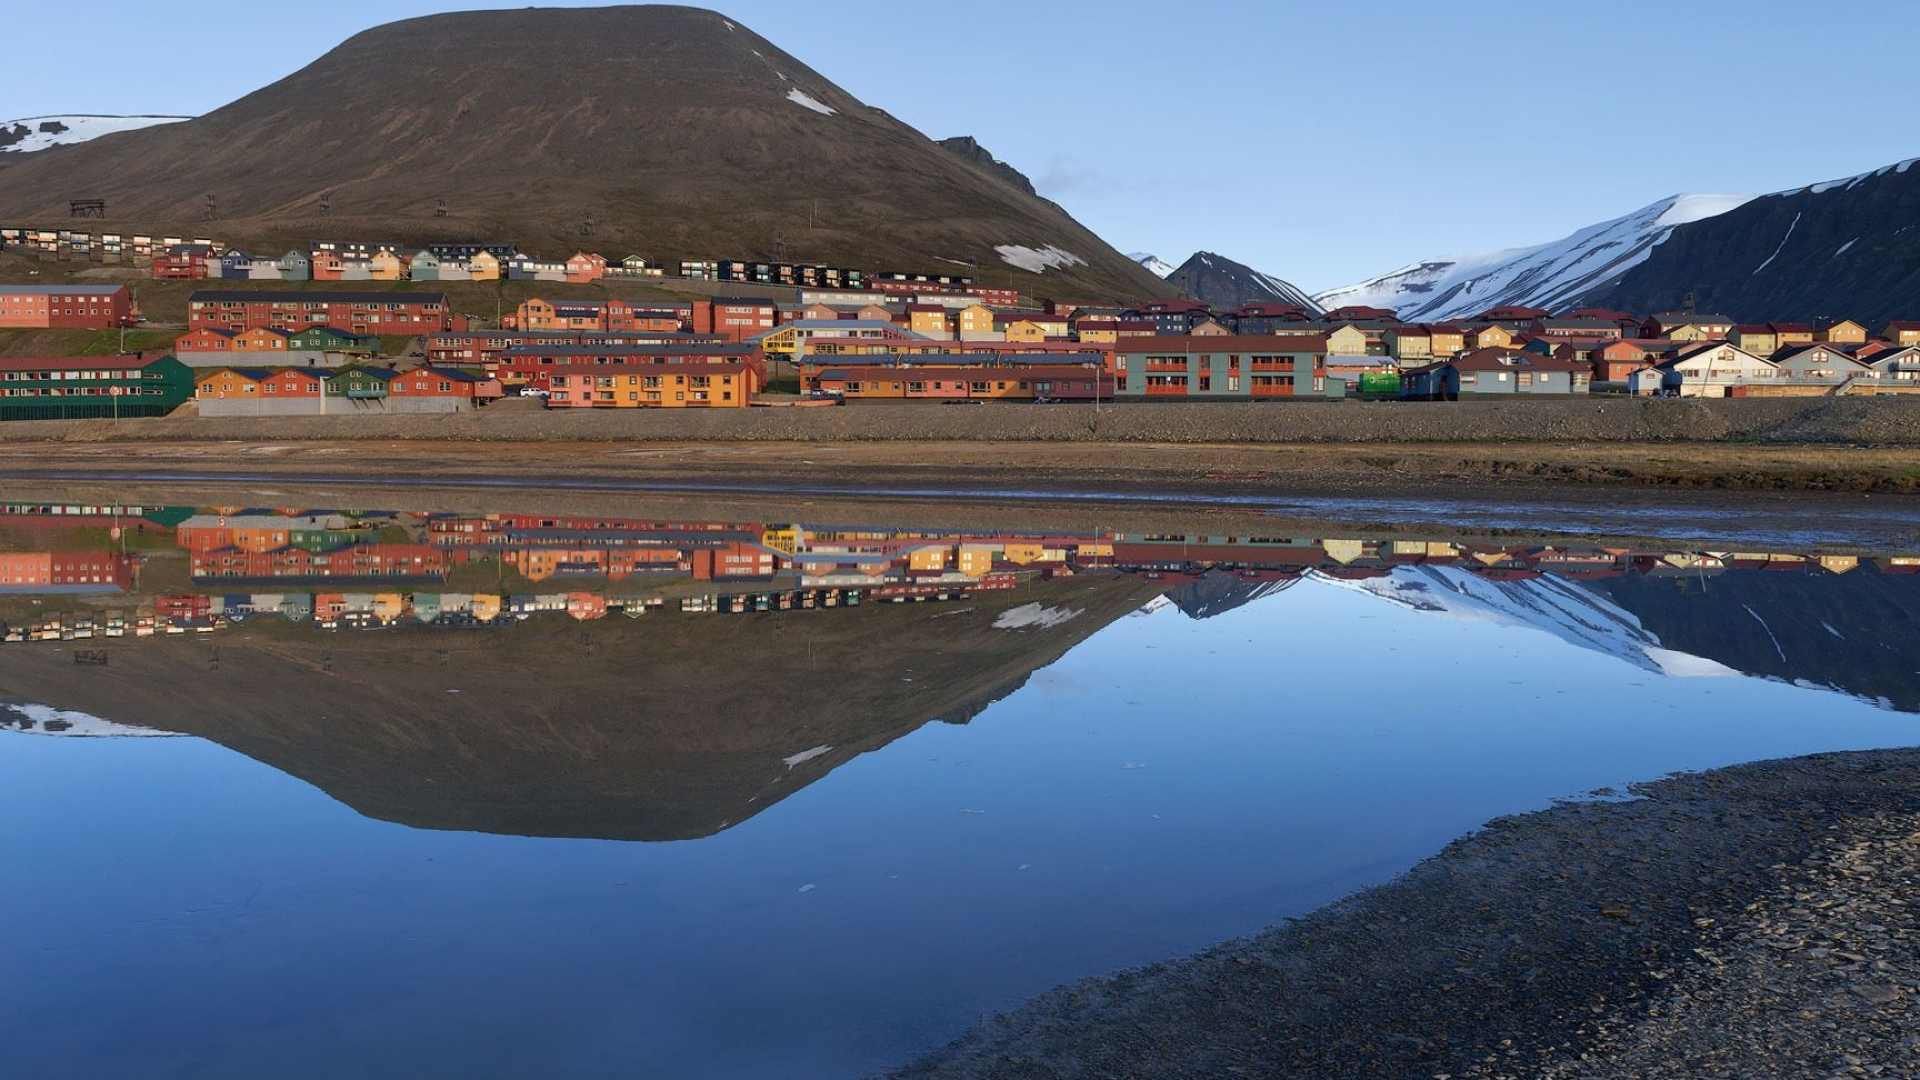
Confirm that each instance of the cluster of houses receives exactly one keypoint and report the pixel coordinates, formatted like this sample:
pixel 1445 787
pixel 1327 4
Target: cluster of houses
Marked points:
pixel 850 336
pixel 191 258
pixel 340 569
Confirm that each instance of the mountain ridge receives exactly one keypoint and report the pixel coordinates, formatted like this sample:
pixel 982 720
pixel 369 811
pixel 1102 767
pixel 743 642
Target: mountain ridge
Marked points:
pixel 1845 248
pixel 1556 275
pixel 672 132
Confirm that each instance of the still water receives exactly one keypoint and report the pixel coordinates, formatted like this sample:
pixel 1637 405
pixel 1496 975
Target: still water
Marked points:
pixel 505 795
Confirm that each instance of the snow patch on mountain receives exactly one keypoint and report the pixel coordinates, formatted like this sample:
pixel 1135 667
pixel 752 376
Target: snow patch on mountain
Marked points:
pixel 1554 276
pixel 1160 267
pixel 1038 260
pixel 45 132
pixel 46 720
pixel 808 101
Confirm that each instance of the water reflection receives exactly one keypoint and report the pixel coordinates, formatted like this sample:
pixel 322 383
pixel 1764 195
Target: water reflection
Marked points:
pixel 917 773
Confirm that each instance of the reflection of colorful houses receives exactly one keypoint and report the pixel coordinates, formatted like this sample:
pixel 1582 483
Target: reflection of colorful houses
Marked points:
pixel 65 571
pixel 409 562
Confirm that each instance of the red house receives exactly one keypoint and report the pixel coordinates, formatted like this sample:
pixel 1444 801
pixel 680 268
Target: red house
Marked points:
pixel 183 261
pixel 357 312
pixel 65 307
pixel 735 318
pixel 531 365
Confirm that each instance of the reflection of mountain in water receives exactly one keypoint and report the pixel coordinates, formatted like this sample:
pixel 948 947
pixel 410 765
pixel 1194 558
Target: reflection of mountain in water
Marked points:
pixel 1563 608
pixel 1220 592
pixel 1800 626
pixel 659 728
pixel 1852 631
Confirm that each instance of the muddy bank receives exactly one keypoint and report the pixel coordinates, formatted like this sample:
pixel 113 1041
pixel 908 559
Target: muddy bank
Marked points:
pixel 1753 921
pixel 1412 470
pixel 1883 420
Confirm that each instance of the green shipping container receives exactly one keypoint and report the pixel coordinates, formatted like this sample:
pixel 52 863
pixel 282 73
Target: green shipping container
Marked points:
pixel 1380 383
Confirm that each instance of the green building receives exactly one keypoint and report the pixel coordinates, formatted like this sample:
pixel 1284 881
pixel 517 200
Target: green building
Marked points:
pixel 92 387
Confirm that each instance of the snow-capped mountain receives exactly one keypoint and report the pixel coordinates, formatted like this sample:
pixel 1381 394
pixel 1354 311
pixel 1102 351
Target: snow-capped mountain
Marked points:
pixel 44 132
pixel 1840 248
pixel 1152 262
pixel 1223 283
pixel 1554 276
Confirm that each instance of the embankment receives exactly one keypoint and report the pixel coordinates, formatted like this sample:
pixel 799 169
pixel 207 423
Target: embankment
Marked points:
pixel 1853 420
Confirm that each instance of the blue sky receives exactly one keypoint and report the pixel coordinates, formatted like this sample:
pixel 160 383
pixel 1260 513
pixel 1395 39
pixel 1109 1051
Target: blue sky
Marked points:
pixel 1322 142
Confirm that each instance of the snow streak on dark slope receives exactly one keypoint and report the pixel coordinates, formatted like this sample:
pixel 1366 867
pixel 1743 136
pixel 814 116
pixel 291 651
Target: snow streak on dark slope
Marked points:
pixel 1555 276
pixel 1847 248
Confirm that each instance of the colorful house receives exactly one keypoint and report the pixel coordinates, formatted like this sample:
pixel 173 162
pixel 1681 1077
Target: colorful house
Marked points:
pixel 1254 367
pixel 585 266
pixel 65 307
pixel 1494 371
pixel 79 387
pixel 1841 331
pixel 659 386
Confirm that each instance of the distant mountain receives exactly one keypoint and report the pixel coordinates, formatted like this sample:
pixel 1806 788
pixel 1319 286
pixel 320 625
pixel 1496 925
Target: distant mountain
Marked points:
pixel 1569 272
pixel 45 132
pixel 1845 248
pixel 1159 266
pixel 671 132
pixel 1223 283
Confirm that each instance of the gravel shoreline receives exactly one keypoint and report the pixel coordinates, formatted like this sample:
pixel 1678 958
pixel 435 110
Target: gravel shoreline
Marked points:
pixel 1759 920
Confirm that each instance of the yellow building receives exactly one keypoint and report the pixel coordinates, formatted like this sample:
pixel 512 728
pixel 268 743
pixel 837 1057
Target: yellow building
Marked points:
pixel 658 386
pixel 928 559
pixel 386 266
pixel 1843 332
pixel 1347 340
pixel 976 323
pixel 484 266
pixel 930 320
pixel 1409 343
pixel 1488 337
pixel 976 560
pixel 1447 340
pixel 1758 339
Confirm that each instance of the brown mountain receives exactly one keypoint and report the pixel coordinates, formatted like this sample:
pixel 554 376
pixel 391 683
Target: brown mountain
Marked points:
pixel 678 132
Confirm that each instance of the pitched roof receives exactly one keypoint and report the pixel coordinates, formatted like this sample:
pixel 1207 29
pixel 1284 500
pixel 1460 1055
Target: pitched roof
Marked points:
pixel 1226 343
pixel 665 349
pixel 65 290
pixel 1494 358
pixel 75 363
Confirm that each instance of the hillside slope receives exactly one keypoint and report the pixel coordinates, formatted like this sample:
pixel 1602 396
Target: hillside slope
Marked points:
pixel 1844 248
pixel 1556 276
pixel 678 132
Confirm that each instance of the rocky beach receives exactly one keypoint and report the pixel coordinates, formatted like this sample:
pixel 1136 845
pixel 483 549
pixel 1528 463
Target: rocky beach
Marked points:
pixel 1752 921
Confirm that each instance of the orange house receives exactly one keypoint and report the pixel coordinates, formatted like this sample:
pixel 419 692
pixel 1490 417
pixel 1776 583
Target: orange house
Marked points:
pixel 655 386
pixel 586 266
pixel 260 339
pixel 205 341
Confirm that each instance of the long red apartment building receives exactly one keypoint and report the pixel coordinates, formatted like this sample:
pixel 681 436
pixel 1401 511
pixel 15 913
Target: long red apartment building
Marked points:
pixel 356 312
